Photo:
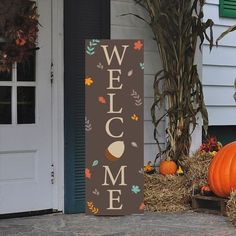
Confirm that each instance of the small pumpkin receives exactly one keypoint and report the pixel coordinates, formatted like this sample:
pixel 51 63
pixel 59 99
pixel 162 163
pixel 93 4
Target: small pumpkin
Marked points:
pixel 168 167
pixel 205 190
pixel 222 171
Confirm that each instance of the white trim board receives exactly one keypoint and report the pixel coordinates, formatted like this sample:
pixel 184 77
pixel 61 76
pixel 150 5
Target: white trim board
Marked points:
pixel 58 104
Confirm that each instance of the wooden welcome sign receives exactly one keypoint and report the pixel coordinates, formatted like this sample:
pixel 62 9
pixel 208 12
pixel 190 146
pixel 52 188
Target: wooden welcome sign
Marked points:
pixel 114 127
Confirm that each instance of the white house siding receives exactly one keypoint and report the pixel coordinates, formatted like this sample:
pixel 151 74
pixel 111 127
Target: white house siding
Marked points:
pixel 219 70
pixel 129 27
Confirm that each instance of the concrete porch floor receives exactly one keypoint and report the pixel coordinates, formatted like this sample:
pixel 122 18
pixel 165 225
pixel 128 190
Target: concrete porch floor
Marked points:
pixel 158 224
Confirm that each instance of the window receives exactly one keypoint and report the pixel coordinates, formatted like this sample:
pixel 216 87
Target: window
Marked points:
pixel 228 8
pixel 224 134
pixel 18 93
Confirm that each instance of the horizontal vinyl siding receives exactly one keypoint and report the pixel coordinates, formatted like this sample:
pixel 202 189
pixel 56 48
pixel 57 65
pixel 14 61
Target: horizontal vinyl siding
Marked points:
pixel 218 75
pixel 220 56
pixel 119 8
pixel 129 27
pixel 219 70
pixel 228 113
pixel 126 31
pixel 214 2
pixel 228 40
pixel 212 12
pixel 219 96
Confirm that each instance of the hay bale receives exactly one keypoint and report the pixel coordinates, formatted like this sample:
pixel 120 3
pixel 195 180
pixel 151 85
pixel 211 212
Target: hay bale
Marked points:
pixel 196 169
pixel 231 208
pixel 166 193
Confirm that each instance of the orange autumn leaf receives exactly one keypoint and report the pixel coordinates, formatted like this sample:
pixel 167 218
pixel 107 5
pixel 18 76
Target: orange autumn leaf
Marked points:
pixel 138 45
pixel 142 206
pixel 102 100
pixel 20 41
pixel 88 173
pixel 92 208
pixel 134 117
pixel 88 81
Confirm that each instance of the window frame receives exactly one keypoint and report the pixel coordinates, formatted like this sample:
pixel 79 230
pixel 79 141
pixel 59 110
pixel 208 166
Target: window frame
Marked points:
pixel 228 13
pixel 14 84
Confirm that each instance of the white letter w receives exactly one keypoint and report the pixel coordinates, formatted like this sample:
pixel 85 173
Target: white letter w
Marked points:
pixel 118 57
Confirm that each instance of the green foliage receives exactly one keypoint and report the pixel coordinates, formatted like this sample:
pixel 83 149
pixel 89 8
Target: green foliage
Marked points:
pixel 91 47
pixel 178 29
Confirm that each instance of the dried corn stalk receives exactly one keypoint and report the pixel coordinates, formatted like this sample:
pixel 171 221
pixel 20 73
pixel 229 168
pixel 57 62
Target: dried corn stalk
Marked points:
pixel 177 25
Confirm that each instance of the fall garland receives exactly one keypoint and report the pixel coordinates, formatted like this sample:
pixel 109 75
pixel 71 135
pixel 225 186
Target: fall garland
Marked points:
pixel 18 31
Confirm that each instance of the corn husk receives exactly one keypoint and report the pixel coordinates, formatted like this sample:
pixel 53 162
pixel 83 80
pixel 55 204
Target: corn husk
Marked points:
pixel 177 27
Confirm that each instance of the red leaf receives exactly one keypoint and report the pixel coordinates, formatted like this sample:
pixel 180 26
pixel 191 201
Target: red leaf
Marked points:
pixel 102 100
pixel 87 173
pixel 138 45
pixel 142 206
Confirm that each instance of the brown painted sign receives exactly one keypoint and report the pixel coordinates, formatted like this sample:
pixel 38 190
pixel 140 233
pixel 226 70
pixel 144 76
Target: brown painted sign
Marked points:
pixel 114 127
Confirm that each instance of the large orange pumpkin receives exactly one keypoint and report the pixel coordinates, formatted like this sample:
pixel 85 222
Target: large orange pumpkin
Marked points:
pixel 168 167
pixel 222 171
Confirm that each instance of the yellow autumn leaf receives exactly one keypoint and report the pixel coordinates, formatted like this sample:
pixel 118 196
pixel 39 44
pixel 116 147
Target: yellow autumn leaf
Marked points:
pixel 88 81
pixel 179 171
pixel 134 117
pixel 148 168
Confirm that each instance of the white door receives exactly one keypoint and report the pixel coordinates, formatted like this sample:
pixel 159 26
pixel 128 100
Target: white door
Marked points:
pixel 25 128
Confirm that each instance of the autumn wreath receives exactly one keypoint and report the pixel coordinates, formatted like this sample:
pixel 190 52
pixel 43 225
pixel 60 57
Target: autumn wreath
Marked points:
pixel 18 31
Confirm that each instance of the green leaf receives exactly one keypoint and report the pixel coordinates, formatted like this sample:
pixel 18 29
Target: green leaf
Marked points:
pixel 95 163
pixel 90 52
pixel 96 41
pixel 90 49
pixel 141 65
pixel 135 189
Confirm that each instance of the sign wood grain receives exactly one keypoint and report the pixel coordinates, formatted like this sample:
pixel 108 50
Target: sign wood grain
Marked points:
pixel 114 127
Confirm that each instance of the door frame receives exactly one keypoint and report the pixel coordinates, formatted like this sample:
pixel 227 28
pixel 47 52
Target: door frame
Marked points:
pixel 57 75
